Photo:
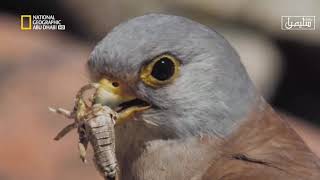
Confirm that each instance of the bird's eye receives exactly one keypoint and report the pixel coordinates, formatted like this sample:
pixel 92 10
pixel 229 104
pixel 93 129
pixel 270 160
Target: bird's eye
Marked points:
pixel 162 70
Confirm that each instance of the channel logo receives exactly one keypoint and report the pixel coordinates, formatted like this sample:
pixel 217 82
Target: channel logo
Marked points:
pixel 26 22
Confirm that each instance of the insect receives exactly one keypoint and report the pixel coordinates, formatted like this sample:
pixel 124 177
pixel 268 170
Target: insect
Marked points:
pixel 95 125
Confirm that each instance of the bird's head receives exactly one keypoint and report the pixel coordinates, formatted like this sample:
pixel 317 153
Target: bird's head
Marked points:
pixel 171 77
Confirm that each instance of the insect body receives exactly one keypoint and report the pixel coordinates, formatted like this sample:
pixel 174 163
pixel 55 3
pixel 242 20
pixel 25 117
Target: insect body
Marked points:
pixel 95 125
pixel 100 133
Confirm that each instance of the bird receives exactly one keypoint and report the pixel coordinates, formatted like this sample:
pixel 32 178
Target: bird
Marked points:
pixel 188 109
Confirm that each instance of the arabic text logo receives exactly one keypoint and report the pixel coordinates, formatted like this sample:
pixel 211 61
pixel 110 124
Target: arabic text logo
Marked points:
pixel 298 22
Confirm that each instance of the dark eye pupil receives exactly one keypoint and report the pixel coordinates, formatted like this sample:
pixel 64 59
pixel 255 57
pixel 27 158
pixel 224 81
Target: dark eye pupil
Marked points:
pixel 163 69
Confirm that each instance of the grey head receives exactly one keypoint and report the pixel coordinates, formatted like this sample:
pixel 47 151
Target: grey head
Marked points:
pixel 211 93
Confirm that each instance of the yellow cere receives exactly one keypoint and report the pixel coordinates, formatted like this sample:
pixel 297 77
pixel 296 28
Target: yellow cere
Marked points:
pixel 107 85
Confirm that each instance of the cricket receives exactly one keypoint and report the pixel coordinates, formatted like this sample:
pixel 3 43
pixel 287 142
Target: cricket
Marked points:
pixel 95 125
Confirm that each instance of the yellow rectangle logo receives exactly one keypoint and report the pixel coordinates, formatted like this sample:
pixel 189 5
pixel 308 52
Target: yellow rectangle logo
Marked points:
pixel 22 21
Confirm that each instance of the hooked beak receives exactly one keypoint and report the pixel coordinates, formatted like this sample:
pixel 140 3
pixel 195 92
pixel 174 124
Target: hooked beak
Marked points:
pixel 117 97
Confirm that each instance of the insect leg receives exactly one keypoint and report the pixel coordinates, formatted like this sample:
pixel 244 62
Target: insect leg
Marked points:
pixel 62 111
pixel 85 88
pixel 83 143
pixel 65 131
pixel 83 150
pixel 80 105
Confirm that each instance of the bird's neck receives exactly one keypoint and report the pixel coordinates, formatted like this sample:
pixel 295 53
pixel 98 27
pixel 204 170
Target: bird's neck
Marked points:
pixel 142 154
pixel 168 159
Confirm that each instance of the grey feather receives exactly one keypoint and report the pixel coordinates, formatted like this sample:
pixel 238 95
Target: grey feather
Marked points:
pixel 213 90
pixel 210 97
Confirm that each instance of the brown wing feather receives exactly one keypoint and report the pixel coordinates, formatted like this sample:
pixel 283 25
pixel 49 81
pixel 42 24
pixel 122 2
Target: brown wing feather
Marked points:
pixel 264 147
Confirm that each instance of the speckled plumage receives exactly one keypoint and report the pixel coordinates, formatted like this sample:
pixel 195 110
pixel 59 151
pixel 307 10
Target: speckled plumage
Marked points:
pixel 209 100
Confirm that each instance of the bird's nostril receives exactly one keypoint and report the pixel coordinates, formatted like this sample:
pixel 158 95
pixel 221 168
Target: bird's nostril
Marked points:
pixel 115 84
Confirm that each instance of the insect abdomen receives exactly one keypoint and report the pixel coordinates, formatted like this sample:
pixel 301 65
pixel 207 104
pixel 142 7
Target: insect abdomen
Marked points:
pixel 102 138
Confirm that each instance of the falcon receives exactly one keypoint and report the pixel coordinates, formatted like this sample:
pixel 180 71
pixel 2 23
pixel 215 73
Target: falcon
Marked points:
pixel 187 108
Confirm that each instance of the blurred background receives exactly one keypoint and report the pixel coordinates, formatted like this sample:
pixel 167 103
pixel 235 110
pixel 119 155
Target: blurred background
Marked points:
pixel 45 68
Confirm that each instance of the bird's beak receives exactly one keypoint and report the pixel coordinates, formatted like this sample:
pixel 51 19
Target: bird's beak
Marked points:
pixel 117 97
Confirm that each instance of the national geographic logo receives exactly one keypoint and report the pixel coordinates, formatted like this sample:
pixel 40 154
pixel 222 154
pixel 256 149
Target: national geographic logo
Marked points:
pixel 26 22
pixel 41 22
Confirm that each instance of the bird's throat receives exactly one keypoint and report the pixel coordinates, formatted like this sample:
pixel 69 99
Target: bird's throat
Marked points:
pixel 158 159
